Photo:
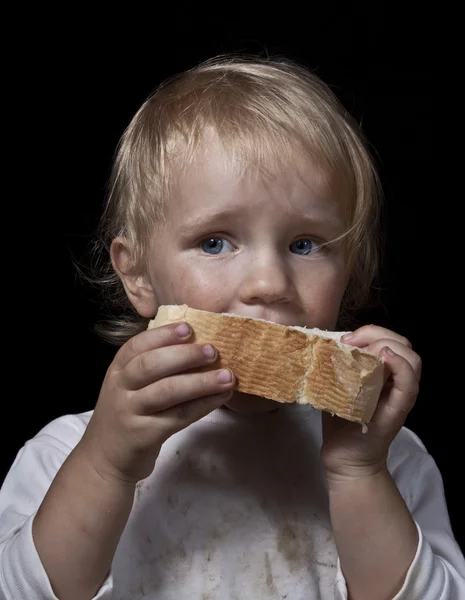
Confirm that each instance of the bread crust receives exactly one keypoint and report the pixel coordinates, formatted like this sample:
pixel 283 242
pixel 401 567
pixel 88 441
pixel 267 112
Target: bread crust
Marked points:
pixel 286 364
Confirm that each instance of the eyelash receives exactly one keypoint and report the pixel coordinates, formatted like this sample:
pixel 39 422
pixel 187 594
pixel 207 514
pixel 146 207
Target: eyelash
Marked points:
pixel 212 237
pixel 319 245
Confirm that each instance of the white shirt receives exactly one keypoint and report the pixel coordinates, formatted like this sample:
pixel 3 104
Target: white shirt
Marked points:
pixel 235 509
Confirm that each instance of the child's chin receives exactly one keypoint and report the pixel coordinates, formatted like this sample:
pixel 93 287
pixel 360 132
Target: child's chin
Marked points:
pixel 247 404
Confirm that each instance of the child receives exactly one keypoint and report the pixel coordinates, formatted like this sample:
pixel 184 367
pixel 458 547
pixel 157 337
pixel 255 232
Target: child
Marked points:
pixel 240 186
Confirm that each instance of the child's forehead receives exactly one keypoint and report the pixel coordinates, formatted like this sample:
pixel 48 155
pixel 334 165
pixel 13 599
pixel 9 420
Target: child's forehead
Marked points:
pixel 214 170
pixel 215 182
pixel 211 160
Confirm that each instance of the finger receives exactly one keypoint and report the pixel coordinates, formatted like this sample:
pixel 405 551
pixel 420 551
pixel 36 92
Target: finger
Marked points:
pixel 158 337
pixel 180 416
pixel 407 353
pixel 401 395
pixel 178 389
pixel 157 364
pixel 368 334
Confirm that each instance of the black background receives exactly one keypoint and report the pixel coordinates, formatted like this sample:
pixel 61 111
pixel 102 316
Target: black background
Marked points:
pixel 76 85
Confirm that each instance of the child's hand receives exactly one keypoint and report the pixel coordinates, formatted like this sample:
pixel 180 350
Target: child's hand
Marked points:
pixel 152 389
pixel 347 451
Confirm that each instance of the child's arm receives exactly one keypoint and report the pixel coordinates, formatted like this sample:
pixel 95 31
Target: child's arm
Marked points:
pixel 376 536
pixel 146 397
pixel 78 525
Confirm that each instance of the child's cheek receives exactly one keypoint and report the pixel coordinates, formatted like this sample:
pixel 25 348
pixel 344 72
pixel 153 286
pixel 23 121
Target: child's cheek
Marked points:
pixel 199 288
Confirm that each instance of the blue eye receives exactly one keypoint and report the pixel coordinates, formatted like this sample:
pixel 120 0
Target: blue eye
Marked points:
pixel 303 247
pixel 214 245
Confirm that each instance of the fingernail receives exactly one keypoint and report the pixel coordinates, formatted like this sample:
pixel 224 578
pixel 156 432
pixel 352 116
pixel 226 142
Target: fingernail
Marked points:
pixel 183 330
pixel 225 376
pixel 388 351
pixel 209 351
pixel 346 337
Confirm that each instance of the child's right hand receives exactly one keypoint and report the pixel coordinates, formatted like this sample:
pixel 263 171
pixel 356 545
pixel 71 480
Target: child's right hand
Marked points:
pixel 150 391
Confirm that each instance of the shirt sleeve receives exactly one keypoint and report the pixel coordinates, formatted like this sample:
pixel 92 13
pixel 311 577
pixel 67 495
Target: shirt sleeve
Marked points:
pixel 22 574
pixel 437 571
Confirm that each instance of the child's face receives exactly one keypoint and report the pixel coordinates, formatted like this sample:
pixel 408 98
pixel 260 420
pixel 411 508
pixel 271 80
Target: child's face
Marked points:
pixel 247 246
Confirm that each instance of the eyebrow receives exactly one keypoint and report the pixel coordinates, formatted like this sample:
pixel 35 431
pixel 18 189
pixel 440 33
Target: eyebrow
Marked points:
pixel 228 215
pixel 211 218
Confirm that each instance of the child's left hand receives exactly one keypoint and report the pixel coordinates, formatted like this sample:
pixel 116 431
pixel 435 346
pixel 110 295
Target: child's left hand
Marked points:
pixel 347 452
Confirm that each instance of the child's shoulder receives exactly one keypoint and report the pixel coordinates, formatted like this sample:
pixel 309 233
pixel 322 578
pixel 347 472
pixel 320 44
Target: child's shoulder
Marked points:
pixel 408 452
pixel 39 459
pixel 408 438
pixel 65 430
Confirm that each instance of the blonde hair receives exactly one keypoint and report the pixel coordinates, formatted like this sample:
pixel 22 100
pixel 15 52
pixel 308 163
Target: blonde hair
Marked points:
pixel 264 111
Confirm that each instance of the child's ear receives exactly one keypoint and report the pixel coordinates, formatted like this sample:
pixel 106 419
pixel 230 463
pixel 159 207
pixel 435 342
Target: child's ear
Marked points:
pixel 138 288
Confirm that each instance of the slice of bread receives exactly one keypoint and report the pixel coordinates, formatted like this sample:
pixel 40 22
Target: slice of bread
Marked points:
pixel 287 364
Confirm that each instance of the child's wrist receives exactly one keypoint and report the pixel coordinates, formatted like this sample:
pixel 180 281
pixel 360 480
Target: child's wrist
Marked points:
pixel 99 472
pixel 356 475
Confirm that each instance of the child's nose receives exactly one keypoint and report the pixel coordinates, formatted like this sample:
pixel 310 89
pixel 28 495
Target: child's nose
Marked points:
pixel 265 281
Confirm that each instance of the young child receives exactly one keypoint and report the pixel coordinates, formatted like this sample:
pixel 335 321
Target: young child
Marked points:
pixel 240 186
